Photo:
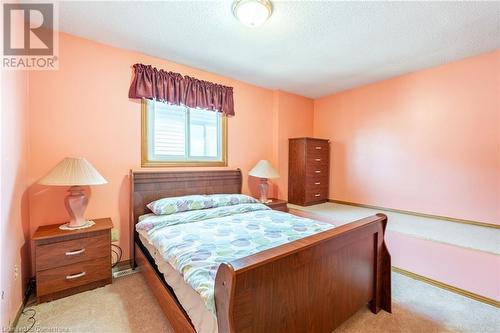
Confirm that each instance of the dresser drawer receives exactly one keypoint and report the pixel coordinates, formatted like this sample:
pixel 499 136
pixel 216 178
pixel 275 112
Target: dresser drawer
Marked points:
pixel 318 185
pixel 320 194
pixel 75 275
pixel 313 160
pixel 316 171
pixel 315 182
pixel 317 148
pixel 72 251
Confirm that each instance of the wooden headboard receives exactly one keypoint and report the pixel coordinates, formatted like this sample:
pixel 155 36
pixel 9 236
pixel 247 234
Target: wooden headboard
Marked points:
pixel 150 186
pixel 146 187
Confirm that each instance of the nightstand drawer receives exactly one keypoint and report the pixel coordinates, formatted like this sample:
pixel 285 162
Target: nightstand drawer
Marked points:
pixel 72 251
pixel 75 275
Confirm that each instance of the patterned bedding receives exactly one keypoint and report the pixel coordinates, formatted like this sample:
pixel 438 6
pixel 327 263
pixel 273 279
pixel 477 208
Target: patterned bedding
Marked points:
pixel 196 242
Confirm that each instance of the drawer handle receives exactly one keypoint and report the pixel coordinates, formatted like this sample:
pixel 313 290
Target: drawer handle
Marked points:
pixel 318 147
pixel 317 159
pixel 74 253
pixel 317 183
pixel 317 195
pixel 317 171
pixel 75 276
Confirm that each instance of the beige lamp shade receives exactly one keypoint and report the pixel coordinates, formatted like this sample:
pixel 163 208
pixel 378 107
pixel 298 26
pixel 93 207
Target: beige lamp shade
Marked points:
pixel 73 171
pixel 264 169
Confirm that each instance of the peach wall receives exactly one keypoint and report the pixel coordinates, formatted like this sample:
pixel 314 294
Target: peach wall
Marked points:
pixel 294 118
pixel 425 142
pixel 83 110
pixel 471 270
pixel 14 228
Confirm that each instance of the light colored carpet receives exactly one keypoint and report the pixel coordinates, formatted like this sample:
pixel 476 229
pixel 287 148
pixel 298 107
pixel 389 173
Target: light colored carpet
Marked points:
pixel 454 233
pixel 129 306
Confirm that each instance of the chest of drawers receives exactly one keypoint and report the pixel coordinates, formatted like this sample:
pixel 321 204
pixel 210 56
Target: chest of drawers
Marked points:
pixel 68 262
pixel 308 171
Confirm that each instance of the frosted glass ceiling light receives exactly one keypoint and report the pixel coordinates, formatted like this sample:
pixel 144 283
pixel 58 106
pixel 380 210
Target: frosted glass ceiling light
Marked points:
pixel 252 13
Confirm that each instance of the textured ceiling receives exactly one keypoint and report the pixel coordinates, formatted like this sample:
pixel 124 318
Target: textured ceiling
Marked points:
pixel 310 48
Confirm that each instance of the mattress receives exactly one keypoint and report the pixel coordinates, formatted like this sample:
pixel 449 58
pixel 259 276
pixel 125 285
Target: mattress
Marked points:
pixel 203 320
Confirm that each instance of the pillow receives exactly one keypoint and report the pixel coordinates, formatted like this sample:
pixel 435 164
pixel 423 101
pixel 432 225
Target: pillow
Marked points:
pixel 167 206
pixel 220 200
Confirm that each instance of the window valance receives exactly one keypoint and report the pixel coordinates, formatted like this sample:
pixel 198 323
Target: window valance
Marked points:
pixel 157 84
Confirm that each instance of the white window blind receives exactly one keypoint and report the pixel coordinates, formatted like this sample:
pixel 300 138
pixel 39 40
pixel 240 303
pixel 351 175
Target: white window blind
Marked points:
pixel 179 133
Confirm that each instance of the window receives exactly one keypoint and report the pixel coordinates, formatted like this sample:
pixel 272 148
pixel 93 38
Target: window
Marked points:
pixel 175 135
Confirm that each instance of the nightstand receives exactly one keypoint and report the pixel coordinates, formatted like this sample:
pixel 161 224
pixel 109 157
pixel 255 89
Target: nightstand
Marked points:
pixel 71 261
pixel 277 204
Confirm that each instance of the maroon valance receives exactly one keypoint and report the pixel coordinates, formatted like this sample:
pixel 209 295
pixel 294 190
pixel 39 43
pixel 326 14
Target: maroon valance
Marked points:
pixel 174 88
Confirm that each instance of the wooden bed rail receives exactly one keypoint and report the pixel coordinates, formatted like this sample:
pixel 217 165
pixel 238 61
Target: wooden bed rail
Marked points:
pixel 310 285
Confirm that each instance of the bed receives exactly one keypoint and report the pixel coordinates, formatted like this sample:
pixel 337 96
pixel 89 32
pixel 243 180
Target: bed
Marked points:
pixel 310 284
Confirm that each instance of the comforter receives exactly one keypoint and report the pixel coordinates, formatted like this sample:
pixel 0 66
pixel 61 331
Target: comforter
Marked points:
pixel 196 242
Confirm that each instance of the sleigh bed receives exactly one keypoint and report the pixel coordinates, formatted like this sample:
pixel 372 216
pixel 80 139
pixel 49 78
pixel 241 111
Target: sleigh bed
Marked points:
pixel 312 284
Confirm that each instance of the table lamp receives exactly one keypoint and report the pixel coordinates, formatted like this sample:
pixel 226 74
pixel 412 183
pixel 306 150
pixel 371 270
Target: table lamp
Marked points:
pixel 264 170
pixel 74 172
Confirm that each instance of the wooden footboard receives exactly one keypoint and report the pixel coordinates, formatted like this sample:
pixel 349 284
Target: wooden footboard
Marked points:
pixel 310 285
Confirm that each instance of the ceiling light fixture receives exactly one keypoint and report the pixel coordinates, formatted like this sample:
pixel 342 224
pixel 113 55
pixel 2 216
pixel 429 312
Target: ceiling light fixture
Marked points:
pixel 252 13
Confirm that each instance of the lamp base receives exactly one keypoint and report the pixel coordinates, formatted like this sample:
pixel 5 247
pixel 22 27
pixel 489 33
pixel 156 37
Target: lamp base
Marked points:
pixel 263 186
pixel 67 226
pixel 76 203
